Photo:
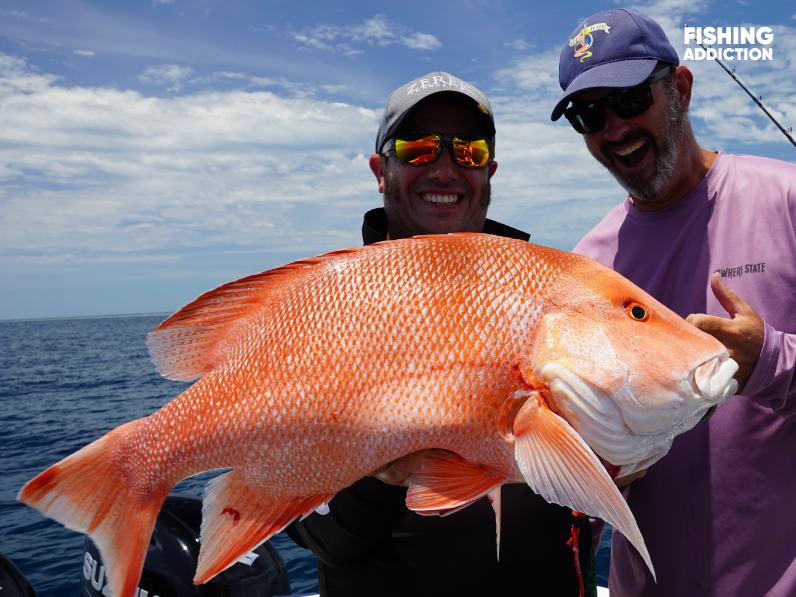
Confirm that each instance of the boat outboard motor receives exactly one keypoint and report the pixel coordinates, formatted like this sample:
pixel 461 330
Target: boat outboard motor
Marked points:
pixel 171 562
pixel 12 582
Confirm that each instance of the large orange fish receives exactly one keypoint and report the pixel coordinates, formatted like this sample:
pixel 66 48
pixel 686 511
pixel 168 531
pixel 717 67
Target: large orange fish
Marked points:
pixel 516 362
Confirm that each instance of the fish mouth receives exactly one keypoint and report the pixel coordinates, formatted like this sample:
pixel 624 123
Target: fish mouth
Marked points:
pixel 713 380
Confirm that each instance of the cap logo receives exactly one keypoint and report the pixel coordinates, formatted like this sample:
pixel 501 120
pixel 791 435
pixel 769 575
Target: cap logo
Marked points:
pixel 584 39
pixel 438 81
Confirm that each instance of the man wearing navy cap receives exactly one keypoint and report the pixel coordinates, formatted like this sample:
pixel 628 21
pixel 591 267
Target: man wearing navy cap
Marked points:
pixel 433 162
pixel 716 513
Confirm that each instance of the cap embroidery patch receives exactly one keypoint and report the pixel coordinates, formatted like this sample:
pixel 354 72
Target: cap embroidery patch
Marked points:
pixel 437 81
pixel 584 39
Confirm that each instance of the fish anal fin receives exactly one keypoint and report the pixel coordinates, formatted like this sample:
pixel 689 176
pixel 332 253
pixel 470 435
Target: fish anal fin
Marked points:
pixel 189 343
pixel 86 493
pixel 558 465
pixel 237 518
pixel 443 482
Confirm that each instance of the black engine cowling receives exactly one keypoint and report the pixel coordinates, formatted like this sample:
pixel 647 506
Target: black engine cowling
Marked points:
pixel 172 556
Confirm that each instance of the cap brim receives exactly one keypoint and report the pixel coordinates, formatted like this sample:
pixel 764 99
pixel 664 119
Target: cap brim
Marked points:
pixel 613 75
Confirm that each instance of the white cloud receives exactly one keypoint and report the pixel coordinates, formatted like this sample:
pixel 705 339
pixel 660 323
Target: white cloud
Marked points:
pixel 377 30
pixel 519 44
pixel 294 88
pixel 166 74
pixel 99 184
pixel 421 41
pixel 103 174
pixel 84 52
pixel 92 177
pixel 20 14
pixel 17 78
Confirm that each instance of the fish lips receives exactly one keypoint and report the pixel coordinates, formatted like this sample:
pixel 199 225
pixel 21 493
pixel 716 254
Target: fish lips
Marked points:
pixel 713 379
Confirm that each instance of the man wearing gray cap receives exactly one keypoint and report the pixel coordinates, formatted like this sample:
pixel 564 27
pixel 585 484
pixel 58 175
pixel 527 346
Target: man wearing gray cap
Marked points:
pixel 434 183
pixel 716 512
pixel 433 163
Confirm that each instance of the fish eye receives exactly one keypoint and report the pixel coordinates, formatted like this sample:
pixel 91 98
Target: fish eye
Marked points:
pixel 637 311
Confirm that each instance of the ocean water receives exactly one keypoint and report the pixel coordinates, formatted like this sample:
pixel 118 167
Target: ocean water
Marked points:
pixel 63 384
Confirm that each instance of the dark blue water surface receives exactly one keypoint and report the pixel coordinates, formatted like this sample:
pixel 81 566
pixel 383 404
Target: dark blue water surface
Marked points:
pixel 63 384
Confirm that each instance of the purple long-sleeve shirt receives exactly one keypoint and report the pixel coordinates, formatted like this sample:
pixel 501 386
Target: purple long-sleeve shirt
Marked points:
pixel 718 513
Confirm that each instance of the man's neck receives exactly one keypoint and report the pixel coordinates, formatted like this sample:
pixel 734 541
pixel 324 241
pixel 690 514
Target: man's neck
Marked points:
pixel 694 167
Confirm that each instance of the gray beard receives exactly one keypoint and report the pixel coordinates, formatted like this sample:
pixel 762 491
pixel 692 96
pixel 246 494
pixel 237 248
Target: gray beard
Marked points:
pixel 666 148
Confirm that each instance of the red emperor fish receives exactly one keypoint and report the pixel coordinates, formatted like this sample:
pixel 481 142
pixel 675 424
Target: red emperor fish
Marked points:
pixel 517 363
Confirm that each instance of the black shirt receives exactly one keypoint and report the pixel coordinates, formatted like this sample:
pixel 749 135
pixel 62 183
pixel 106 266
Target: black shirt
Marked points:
pixel 370 544
pixel 374 228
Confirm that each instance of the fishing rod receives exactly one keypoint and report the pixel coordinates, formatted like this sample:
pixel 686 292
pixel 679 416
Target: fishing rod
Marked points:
pixel 758 99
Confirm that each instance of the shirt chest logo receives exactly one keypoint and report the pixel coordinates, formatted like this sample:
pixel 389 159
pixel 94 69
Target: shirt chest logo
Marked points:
pixel 738 271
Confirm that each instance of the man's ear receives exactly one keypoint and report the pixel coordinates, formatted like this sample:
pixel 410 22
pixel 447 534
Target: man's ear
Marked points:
pixel 683 82
pixel 377 166
pixel 492 169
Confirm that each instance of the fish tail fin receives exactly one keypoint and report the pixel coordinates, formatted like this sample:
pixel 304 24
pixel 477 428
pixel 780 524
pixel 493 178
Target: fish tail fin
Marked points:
pixel 558 465
pixel 237 516
pixel 86 493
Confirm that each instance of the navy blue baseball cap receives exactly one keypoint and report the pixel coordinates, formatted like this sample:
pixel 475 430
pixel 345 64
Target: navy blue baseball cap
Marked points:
pixel 613 48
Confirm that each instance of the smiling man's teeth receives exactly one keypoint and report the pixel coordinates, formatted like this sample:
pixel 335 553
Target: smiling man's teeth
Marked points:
pixel 631 148
pixel 440 198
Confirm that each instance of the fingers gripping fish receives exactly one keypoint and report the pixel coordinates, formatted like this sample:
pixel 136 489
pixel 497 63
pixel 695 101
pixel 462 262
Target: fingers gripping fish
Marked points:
pixel 510 361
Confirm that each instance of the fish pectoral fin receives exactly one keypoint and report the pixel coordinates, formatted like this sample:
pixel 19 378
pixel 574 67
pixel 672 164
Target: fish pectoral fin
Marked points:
pixel 443 482
pixel 237 518
pixel 558 465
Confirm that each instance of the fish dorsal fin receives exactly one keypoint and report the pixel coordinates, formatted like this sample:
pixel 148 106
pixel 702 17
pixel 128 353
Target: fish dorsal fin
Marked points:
pixel 443 483
pixel 237 517
pixel 558 465
pixel 187 344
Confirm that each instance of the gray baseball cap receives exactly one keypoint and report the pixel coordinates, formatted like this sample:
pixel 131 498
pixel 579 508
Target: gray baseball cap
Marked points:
pixel 406 97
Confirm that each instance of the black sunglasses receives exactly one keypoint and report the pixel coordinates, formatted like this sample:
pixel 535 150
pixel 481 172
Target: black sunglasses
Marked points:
pixel 589 116
pixel 421 148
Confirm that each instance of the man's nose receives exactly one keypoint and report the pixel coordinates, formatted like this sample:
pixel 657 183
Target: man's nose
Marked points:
pixel 444 168
pixel 615 127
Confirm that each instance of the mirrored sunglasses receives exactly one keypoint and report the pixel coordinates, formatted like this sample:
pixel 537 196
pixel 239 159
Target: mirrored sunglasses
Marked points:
pixel 589 117
pixel 421 148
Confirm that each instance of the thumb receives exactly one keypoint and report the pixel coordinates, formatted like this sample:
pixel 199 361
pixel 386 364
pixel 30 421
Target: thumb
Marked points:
pixel 729 301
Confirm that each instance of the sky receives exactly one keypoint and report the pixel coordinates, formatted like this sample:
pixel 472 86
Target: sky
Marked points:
pixel 151 150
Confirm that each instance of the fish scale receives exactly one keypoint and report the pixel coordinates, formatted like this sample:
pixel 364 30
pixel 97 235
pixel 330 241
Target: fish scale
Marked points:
pixel 314 374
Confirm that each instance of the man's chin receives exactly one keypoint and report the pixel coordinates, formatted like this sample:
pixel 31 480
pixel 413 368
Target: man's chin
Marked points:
pixel 443 226
pixel 641 184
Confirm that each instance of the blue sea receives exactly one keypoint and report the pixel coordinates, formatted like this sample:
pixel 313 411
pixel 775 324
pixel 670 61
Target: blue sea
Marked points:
pixel 63 384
